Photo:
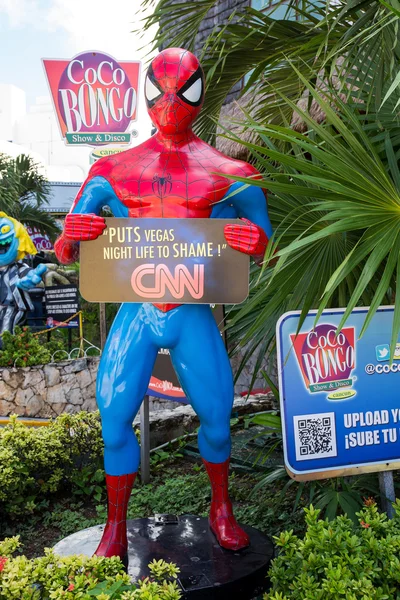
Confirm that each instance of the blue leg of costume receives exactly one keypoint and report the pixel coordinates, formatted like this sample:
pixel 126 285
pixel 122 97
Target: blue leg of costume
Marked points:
pixel 202 365
pixel 203 368
pixel 201 362
pixel 124 373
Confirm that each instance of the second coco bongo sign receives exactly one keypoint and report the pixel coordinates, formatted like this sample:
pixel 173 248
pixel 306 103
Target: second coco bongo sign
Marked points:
pixel 339 396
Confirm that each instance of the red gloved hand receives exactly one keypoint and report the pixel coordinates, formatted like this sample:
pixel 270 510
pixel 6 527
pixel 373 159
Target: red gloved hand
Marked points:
pixel 82 228
pixel 77 228
pixel 247 238
pixel 66 250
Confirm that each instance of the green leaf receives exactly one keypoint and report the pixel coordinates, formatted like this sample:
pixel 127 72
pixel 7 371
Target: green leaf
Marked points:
pixel 269 420
pixel 271 384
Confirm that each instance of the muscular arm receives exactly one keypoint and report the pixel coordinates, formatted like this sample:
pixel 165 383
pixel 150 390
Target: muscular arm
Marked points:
pixel 249 203
pixel 81 223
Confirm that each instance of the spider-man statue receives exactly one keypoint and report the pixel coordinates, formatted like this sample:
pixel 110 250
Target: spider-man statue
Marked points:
pixel 170 175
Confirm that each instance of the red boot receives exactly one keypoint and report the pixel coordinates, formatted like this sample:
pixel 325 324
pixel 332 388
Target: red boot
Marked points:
pixel 114 541
pixel 222 522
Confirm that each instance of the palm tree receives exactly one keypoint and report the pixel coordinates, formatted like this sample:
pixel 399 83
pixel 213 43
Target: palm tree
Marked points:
pixel 355 40
pixel 335 189
pixel 335 201
pixel 23 193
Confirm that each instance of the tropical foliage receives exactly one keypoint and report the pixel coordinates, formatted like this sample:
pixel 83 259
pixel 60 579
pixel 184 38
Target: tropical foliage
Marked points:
pixel 40 462
pixel 340 495
pixel 335 188
pixel 352 39
pixel 24 192
pixel 338 559
pixel 336 206
pixel 23 349
pixel 52 577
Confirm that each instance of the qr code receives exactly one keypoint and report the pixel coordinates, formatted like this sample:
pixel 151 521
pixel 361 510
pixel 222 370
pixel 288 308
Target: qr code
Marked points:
pixel 315 436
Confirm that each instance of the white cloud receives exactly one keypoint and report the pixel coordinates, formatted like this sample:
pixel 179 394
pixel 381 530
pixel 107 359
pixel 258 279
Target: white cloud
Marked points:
pixel 89 24
pixel 105 25
pixel 20 12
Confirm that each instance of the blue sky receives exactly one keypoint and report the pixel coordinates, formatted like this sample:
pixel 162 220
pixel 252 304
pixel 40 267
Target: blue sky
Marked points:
pixel 34 29
pixel 25 47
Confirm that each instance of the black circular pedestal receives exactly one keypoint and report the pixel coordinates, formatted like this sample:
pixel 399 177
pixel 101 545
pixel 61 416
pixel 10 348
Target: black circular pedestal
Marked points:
pixel 206 569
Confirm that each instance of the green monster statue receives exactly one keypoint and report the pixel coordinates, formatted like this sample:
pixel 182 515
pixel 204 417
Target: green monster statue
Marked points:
pixel 16 277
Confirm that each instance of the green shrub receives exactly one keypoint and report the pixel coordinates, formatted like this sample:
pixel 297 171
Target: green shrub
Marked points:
pixel 78 577
pixel 338 559
pixel 66 520
pixel 35 463
pixel 23 349
pixel 185 494
pixel 179 494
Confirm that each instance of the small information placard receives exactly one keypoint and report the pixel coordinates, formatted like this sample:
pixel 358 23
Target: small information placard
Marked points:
pixel 62 302
pixel 178 261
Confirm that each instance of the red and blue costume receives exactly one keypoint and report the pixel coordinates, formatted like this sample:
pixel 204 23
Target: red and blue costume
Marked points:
pixel 171 175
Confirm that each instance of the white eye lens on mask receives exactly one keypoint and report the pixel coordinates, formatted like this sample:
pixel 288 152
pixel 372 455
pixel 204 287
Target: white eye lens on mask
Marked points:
pixel 193 93
pixel 151 91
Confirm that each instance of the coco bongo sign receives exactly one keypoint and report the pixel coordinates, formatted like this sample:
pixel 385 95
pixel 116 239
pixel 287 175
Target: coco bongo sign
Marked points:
pixel 325 359
pixel 339 393
pixel 95 97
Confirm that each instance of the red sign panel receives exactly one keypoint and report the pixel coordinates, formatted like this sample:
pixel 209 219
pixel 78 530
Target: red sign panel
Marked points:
pixel 95 97
pixel 40 239
pixel 325 360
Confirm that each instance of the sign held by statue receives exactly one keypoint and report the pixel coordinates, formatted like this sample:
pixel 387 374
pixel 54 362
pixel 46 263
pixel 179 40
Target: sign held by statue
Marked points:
pixel 185 261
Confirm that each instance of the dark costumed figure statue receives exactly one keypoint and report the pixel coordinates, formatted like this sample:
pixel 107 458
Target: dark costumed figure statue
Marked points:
pixel 16 277
pixel 171 175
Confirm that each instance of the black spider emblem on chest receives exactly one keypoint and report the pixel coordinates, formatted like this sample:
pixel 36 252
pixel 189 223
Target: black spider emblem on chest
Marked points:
pixel 162 185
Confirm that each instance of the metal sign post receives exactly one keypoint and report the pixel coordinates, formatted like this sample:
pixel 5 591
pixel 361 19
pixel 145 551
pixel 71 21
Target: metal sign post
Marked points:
pixel 103 325
pixel 388 496
pixel 145 441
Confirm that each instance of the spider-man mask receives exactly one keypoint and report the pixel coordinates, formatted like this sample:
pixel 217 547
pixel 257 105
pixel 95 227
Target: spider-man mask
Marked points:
pixel 174 90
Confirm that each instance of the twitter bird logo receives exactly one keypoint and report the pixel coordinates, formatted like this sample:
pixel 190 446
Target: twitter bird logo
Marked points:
pixel 382 352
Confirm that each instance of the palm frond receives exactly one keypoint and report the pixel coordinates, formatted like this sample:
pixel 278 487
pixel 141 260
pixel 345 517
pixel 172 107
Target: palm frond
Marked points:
pixel 355 43
pixel 335 206
pixel 176 33
pixel 24 192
